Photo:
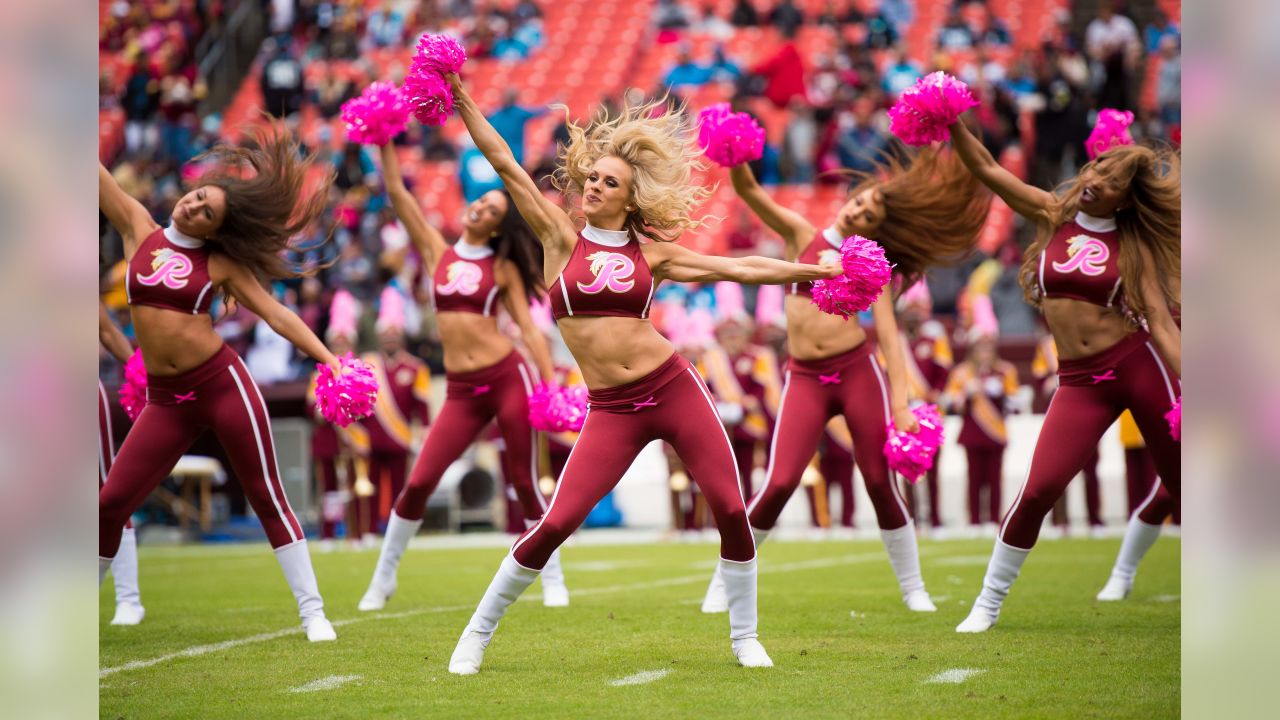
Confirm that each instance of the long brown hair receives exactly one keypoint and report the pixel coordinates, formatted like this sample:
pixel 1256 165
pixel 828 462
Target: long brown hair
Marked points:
pixel 934 209
pixel 264 183
pixel 516 241
pixel 1152 218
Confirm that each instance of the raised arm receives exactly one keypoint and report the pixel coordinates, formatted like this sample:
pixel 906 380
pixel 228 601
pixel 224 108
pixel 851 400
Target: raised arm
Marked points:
pixel 674 262
pixel 781 220
pixel 245 287
pixel 517 304
pixel 126 214
pixel 1026 200
pixel 895 361
pixel 429 242
pixel 110 336
pixel 549 222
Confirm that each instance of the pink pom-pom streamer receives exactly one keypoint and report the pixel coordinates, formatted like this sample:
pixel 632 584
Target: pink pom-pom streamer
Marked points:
pixel 430 96
pixel 1174 418
pixel 441 53
pixel 925 110
pixel 133 391
pixel 557 409
pixel 866 271
pixel 729 138
pixel 912 454
pixel 379 113
pixel 347 397
pixel 1112 129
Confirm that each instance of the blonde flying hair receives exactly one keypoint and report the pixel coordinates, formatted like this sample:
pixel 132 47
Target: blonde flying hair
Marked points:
pixel 658 142
pixel 1152 218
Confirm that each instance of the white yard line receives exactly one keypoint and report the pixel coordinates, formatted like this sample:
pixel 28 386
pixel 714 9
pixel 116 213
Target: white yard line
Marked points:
pixel 954 676
pixel 641 678
pixel 199 650
pixel 326 683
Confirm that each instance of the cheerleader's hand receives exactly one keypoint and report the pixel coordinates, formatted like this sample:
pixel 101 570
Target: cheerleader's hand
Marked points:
pixel 905 421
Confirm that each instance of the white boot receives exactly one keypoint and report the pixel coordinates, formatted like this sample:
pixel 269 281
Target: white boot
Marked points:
pixel 383 585
pixel 716 601
pixel 124 571
pixel 512 580
pixel 1138 539
pixel 904 556
pixel 740 587
pixel 1006 563
pixel 554 591
pixel 295 561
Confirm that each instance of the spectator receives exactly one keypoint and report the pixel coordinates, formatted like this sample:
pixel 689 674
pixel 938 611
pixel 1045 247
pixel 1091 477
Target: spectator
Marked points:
pixel 671 15
pixel 475 173
pixel 881 32
pixel 721 67
pixel 832 17
pixel 526 10
pixel 901 75
pixel 1169 81
pixel 897 13
pixel 783 74
pixel 1111 40
pixel 331 92
pixel 686 72
pixel 282 81
pixel 1158 29
pixel 861 144
pixel 712 24
pixel 510 121
pixel 744 14
pixel 955 33
pixel 352 165
pixel 786 17
pixel 799 143
pixel 1060 125
pixel 385 26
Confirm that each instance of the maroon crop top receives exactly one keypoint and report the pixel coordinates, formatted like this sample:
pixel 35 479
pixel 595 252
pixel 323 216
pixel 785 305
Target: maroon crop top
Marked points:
pixel 464 281
pixel 607 276
pixel 1082 262
pixel 825 247
pixel 170 270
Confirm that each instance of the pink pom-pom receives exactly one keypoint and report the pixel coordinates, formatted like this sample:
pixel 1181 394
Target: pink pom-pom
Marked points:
pixel 1174 418
pixel 429 94
pixel 347 397
pixel 911 454
pixel 380 113
pixel 557 409
pixel 133 391
pixel 925 110
pixel 441 53
pixel 866 271
pixel 1112 129
pixel 729 138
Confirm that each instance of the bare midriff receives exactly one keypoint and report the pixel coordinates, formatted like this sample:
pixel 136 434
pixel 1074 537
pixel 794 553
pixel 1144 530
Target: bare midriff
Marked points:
pixel 814 335
pixel 613 351
pixel 1081 329
pixel 173 342
pixel 471 341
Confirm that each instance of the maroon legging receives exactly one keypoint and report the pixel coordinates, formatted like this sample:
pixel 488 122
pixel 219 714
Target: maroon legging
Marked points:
pixel 1092 393
pixel 473 399
pixel 326 469
pixel 836 466
pixel 1139 475
pixel 106 441
pixel 387 472
pixel 1158 506
pixel 931 490
pixel 219 395
pixel 986 465
pixel 744 455
pixel 671 404
pixel 814 391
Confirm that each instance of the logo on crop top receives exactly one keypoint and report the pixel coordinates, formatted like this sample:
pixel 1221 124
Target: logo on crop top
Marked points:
pixel 464 279
pixel 168 267
pixel 613 272
pixel 1087 254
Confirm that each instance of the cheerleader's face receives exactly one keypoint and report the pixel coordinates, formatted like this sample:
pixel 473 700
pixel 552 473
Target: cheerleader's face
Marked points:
pixel 862 214
pixel 1101 193
pixel 200 212
pixel 607 193
pixel 483 217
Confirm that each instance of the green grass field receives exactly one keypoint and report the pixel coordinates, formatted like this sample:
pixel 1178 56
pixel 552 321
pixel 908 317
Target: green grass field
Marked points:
pixel 842 642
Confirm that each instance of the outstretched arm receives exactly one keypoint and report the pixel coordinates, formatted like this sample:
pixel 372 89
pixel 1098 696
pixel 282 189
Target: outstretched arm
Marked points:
pixel 674 262
pixel 784 221
pixel 110 336
pixel 517 304
pixel 429 242
pixel 896 362
pixel 551 224
pixel 245 287
pixel 126 214
pixel 1026 200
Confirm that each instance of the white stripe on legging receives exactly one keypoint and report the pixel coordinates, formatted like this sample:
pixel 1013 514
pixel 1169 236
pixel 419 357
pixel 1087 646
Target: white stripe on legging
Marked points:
pixel 1163 372
pixel 262 453
pixel 1155 488
pixel 697 380
pixel 773 443
pixel 559 484
pixel 888 420
pixel 106 455
pixel 533 440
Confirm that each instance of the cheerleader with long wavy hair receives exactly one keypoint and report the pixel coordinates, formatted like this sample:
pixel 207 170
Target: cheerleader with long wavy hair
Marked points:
pixel 924 212
pixel 225 235
pixel 634 174
pixel 1106 271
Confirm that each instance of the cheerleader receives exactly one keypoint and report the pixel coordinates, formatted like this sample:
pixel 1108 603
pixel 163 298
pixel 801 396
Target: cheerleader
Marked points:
pixel 228 232
pixel 929 359
pixel 755 370
pixel 1107 262
pixel 124 568
pixel 923 214
pixel 1044 368
pixel 1141 533
pixel 979 388
pixel 496 261
pixel 634 175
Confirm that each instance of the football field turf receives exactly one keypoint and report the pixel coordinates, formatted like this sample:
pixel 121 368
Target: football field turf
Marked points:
pixel 221 638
